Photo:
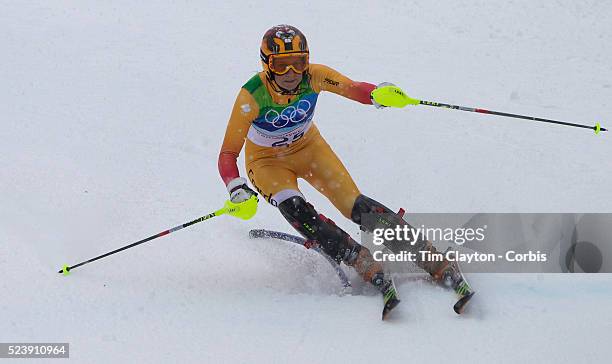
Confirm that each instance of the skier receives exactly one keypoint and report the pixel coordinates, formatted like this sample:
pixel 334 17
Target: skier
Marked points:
pixel 273 115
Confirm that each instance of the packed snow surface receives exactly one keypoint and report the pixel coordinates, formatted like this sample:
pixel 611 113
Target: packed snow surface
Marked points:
pixel 112 116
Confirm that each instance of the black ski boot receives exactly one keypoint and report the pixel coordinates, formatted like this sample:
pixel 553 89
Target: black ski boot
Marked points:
pixel 334 241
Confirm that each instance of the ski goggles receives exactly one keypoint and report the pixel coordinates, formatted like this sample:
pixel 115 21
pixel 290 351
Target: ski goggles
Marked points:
pixel 281 63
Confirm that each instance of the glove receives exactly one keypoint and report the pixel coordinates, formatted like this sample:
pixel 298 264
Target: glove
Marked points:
pixel 376 104
pixel 387 94
pixel 239 190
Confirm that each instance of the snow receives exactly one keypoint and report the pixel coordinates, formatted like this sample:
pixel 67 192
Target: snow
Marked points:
pixel 112 117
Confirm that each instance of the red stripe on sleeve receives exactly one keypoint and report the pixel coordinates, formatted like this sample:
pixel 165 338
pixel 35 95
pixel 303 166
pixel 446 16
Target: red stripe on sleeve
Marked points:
pixel 361 92
pixel 228 169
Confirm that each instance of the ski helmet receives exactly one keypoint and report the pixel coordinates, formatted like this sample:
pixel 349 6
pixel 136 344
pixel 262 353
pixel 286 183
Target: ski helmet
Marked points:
pixel 284 47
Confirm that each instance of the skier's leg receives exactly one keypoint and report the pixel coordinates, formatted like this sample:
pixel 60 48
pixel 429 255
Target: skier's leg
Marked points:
pixel 325 172
pixel 333 240
pixel 272 180
pixel 366 205
pixel 339 245
pixel 320 166
pixel 278 184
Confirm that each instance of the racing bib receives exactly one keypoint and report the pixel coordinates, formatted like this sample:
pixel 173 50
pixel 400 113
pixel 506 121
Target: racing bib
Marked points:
pixel 280 125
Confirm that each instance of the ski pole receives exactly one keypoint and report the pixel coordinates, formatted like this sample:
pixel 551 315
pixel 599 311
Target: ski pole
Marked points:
pixel 244 210
pixel 391 95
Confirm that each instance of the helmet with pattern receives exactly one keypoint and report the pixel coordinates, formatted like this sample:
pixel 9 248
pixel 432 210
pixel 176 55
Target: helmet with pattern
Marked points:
pixel 284 48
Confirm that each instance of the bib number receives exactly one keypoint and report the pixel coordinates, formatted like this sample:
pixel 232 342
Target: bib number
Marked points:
pixel 287 141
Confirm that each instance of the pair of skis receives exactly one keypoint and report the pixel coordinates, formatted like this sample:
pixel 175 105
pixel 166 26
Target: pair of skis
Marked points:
pixel 452 276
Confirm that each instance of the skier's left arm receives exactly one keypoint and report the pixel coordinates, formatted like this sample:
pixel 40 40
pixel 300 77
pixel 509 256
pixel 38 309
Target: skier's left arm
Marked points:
pixel 386 94
pixel 324 78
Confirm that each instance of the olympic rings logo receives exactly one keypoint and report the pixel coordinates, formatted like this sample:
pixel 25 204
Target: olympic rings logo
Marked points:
pixel 294 114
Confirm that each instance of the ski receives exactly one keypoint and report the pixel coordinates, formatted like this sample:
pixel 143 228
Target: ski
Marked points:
pixel 452 277
pixel 460 304
pixel 390 297
pixel 270 234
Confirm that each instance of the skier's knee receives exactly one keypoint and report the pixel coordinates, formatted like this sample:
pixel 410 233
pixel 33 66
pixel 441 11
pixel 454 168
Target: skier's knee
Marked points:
pixel 296 209
pixel 334 241
pixel 283 195
pixel 365 205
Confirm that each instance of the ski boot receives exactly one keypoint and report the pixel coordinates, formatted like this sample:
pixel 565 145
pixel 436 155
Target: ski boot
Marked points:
pixel 449 275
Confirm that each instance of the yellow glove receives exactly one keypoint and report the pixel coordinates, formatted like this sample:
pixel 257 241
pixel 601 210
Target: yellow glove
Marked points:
pixel 387 94
pixel 243 210
pixel 243 200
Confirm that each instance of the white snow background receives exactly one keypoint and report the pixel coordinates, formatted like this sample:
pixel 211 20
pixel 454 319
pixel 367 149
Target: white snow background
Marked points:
pixel 112 115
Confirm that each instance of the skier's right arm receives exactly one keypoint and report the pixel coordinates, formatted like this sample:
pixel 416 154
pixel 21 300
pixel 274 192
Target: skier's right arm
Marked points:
pixel 245 110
